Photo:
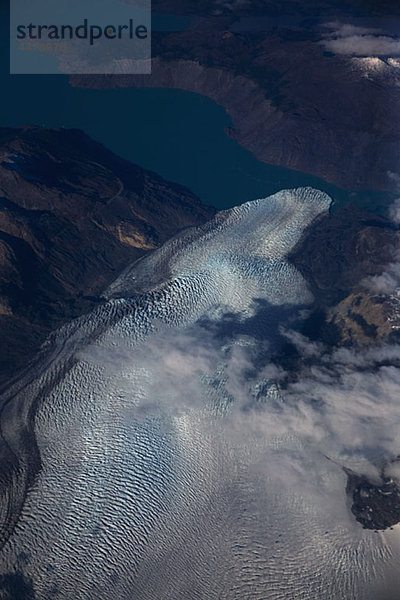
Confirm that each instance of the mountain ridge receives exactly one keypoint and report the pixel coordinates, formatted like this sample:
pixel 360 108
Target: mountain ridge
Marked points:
pixel 72 216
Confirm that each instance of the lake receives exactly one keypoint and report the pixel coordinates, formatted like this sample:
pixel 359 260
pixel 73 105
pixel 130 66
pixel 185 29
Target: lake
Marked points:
pixel 178 134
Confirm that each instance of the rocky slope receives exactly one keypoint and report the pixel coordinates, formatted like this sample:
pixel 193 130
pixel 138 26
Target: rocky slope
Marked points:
pixel 337 256
pixel 72 216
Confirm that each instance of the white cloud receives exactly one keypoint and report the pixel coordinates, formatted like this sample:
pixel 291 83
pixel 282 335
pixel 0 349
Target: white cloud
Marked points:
pixel 342 30
pixel 359 41
pixel 387 283
pixel 394 177
pixel 394 211
pixel 341 404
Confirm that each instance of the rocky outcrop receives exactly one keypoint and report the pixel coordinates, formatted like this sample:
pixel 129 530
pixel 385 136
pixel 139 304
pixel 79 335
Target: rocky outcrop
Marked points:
pixel 72 216
pixel 374 505
pixel 364 318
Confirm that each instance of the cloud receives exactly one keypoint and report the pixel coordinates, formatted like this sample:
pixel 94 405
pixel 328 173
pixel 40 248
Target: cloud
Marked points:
pixel 394 211
pixel 343 30
pixel 387 283
pixel 287 432
pixel 340 404
pixel 352 40
pixel 395 177
pixel 352 400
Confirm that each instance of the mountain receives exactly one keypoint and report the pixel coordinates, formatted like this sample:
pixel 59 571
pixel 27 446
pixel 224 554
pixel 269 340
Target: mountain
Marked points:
pixel 293 101
pixel 72 216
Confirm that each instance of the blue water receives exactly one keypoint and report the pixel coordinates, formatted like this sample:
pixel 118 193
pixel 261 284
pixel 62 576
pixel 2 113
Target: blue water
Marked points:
pixel 178 134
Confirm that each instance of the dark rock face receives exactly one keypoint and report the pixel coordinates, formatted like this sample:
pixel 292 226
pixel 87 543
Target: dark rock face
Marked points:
pixel 375 506
pixel 72 216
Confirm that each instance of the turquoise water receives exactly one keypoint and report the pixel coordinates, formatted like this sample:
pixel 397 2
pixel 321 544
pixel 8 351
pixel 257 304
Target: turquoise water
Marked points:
pixel 178 134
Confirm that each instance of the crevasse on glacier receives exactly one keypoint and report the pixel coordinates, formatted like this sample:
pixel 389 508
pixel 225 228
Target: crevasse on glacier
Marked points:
pixel 133 466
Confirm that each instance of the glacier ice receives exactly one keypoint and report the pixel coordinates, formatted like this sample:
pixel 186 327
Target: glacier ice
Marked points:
pixel 135 464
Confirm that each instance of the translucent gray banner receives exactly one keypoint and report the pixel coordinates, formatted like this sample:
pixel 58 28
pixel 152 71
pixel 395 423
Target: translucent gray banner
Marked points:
pixel 80 37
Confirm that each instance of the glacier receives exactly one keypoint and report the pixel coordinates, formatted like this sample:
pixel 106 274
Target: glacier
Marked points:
pixel 150 451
